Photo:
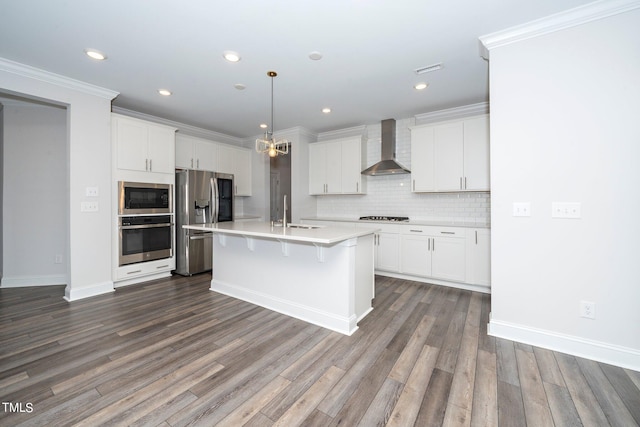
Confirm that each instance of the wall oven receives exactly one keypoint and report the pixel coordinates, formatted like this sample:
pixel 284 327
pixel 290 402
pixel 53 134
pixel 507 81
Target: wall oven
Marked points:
pixel 145 238
pixel 144 198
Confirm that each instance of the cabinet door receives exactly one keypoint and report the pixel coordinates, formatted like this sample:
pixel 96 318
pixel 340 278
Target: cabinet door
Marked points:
pixel 449 149
pixel 476 153
pixel 448 258
pixel 479 257
pixel 242 176
pixel 415 255
pixel 333 167
pixel 204 154
pixel 422 159
pixel 131 142
pixel 388 251
pixel 317 168
pixel 184 153
pixel 162 150
pixel 225 160
pixel 351 166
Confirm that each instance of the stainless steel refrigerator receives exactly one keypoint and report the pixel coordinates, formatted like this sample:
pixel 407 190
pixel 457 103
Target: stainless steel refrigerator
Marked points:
pixel 201 197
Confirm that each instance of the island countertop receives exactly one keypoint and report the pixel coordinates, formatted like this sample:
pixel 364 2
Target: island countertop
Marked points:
pixel 294 233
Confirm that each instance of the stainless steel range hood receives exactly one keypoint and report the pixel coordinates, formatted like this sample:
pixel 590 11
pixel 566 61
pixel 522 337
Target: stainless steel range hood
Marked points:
pixel 387 164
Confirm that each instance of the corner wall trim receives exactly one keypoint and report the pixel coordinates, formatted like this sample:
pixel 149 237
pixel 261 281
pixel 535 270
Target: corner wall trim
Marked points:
pixel 589 349
pixel 88 291
pixel 559 21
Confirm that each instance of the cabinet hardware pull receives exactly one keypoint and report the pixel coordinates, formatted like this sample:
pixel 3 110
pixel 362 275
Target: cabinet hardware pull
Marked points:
pixel 447 232
pixel 192 163
pixel 198 164
pixel 146 164
pixel 416 231
pixel 461 183
pixel 150 165
pixel 433 245
pixel 465 182
pixel 357 187
pixel 414 185
pixel 134 272
pixel 476 237
pixel 428 244
pixel 163 266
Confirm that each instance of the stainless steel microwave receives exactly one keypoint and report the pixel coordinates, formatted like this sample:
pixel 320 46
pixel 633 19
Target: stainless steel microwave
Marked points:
pixel 143 198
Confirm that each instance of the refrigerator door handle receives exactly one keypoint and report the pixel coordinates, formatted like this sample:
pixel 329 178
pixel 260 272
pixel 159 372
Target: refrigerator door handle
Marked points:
pixel 215 199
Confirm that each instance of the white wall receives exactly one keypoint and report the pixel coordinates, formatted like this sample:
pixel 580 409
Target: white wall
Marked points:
pixel 564 127
pixel 35 194
pixel 88 144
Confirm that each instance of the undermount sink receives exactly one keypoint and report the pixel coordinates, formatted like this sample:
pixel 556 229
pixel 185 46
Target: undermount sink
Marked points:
pixel 305 226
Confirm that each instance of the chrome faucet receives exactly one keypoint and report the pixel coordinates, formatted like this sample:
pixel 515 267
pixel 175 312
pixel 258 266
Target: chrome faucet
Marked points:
pixel 284 216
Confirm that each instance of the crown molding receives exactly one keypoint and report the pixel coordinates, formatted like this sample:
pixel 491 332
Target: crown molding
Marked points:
pixel 556 22
pixel 452 113
pixel 182 127
pixel 55 79
pixel 343 133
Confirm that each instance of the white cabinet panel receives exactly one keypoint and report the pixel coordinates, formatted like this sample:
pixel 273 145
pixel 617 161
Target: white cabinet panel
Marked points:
pixel 416 255
pixel 479 256
pixel 387 250
pixel 451 156
pixel 335 166
pixel 236 161
pixel 448 258
pixel 143 146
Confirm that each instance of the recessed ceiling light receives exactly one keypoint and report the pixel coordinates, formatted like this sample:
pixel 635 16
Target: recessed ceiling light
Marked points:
pixel 239 86
pixel 326 110
pixel 95 54
pixel 420 86
pixel 428 68
pixel 315 55
pixel 263 125
pixel 164 92
pixel 231 56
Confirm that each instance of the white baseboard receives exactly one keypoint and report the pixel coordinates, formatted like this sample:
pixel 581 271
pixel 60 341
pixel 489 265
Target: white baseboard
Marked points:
pixel 88 291
pixel 466 286
pixel 327 320
pixel 595 350
pixel 21 282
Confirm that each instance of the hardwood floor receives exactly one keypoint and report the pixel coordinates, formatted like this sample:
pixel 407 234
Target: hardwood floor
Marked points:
pixel 173 353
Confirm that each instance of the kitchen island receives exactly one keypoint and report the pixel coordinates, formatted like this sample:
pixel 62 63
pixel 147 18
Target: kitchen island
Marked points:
pixel 322 275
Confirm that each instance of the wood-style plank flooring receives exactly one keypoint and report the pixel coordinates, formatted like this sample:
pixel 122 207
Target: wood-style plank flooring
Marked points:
pixel 172 353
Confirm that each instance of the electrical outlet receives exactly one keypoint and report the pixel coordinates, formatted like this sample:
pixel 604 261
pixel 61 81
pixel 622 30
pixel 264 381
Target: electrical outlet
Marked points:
pixel 58 259
pixel 569 210
pixel 588 309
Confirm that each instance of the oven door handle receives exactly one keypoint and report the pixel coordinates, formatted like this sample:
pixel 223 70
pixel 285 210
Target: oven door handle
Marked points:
pixel 137 227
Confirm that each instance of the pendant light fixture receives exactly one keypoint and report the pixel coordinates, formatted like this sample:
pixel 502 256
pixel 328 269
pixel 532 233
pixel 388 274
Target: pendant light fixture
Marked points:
pixel 269 145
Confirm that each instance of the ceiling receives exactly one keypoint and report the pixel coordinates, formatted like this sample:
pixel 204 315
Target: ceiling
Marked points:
pixel 370 49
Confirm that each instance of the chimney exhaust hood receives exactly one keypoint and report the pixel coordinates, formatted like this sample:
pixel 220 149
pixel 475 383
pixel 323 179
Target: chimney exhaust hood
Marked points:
pixel 387 164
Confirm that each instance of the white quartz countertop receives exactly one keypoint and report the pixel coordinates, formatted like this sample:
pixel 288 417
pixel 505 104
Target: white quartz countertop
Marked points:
pixel 435 223
pixel 318 235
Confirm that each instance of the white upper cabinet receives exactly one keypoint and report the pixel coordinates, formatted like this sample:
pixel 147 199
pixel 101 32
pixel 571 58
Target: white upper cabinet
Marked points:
pixel 335 166
pixel 143 146
pixel 195 153
pixel 451 156
pixel 236 161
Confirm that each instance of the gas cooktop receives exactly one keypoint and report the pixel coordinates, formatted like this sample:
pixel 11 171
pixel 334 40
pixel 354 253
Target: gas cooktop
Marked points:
pixel 384 218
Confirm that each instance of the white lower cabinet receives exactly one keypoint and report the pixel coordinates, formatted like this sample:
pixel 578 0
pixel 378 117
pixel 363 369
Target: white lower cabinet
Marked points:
pixel 479 256
pixel 433 252
pixel 141 269
pixel 455 255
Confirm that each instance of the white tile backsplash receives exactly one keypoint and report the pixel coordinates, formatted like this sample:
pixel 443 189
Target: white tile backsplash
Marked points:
pixel 391 194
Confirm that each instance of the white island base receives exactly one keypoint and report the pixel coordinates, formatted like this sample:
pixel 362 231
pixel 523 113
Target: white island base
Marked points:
pixel 300 273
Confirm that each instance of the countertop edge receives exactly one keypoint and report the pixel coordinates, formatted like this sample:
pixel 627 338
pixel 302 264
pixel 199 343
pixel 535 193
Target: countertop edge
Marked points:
pixel 412 222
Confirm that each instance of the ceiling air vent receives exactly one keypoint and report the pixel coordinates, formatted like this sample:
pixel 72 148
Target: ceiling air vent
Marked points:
pixel 428 69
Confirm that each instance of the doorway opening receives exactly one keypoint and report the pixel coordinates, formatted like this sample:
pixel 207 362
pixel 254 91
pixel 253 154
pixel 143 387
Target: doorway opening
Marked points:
pixel 280 185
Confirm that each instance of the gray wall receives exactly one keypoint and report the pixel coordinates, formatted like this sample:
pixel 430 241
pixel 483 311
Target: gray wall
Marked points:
pixel 35 193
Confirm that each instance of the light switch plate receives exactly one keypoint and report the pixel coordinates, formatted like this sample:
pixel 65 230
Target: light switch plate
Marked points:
pixel 521 209
pixel 88 206
pixel 567 210
pixel 91 191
